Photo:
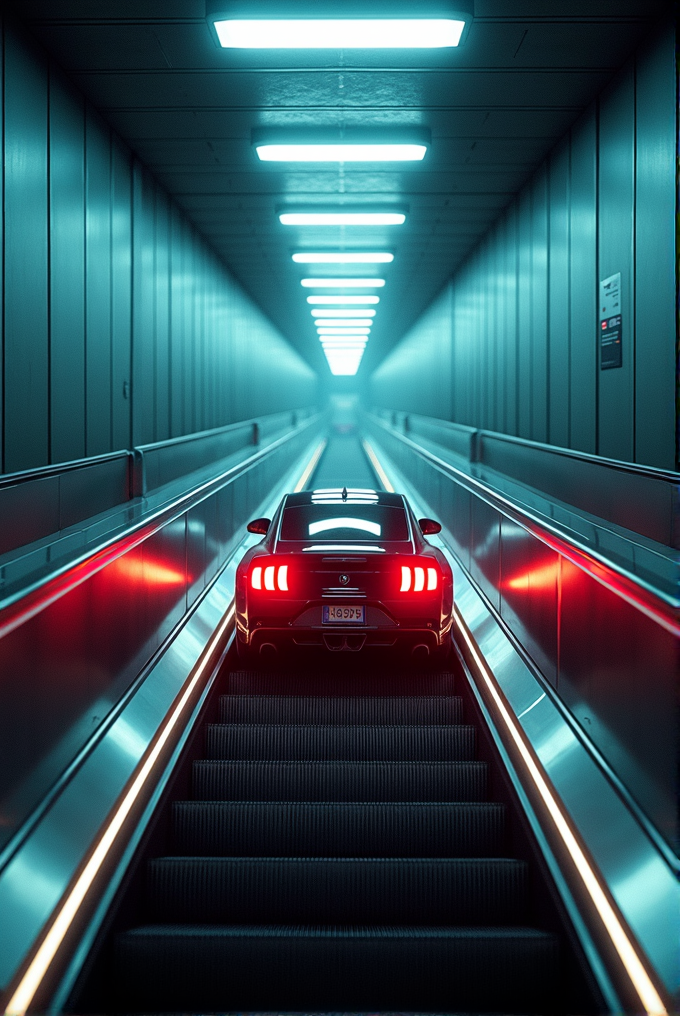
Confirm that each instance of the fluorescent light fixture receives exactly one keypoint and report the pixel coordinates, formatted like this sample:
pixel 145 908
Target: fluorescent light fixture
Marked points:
pixel 354 301
pixel 343 258
pixel 358 342
pixel 344 364
pixel 340 323
pixel 332 347
pixel 349 152
pixel 342 218
pixel 343 331
pixel 335 33
pixel 343 313
pixel 342 283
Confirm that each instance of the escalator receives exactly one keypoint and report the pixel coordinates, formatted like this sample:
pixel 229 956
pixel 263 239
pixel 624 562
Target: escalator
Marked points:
pixel 339 849
pixel 338 838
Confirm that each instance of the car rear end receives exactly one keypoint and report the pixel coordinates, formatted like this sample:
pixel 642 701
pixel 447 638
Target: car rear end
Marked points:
pixel 345 574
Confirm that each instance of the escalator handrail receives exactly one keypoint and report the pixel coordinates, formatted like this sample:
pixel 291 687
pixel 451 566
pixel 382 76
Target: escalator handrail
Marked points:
pixel 660 606
pixel 28 601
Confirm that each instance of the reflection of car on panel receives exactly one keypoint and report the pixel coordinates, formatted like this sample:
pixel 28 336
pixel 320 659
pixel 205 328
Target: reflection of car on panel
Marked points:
pixel 345 570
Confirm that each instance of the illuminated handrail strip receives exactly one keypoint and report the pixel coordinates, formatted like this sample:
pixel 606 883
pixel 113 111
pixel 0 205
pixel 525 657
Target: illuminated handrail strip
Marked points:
pixel 623 943
pixel 311 466
pixel 375 462
pixel 64 915
pixel 660 607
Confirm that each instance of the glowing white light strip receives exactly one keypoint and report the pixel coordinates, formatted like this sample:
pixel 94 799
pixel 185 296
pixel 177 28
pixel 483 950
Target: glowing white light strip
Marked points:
pixel 335 33
pixel 343 331
pixel 310 467
pixel 347 283
pixel 342 258
pixel 341 153
pixel 323 312
pixel 324 524
pixel 342 343
pixel 65 913
pixel 354 301
pixel 375 462
pixel 342 218
pixel 341 322
pixel 642 983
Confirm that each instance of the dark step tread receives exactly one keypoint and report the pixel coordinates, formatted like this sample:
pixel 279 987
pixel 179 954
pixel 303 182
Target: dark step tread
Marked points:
pixel 339 781
pixel 336 891
pixel 329 684
pixel 301 709
pixel 355 743
pixel 330 969
pixel 337 829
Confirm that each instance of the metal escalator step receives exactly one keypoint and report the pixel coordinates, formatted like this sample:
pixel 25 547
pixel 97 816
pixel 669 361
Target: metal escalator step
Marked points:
pixel 324 829
pixel 341 684
pixel 330 891
pixel 194 968
pixel 300 709
pixel 339 781
pixel 360 743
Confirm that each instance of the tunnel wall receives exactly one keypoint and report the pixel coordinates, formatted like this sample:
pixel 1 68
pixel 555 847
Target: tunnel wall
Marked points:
pixel 511 344
pixel 121 326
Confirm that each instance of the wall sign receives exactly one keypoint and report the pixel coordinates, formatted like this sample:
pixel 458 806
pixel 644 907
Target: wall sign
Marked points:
pixel 610 322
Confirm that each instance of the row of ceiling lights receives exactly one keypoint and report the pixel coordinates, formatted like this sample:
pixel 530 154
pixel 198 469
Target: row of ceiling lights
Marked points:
pixel 344 322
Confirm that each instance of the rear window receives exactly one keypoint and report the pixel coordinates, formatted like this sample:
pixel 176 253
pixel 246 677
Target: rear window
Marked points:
pixel 344 523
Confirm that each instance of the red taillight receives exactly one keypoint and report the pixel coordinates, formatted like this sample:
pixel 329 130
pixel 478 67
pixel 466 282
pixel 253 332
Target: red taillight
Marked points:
pixel 270 577
pixel 418 578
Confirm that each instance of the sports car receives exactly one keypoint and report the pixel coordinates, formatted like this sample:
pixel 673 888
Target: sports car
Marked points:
pixel 343 570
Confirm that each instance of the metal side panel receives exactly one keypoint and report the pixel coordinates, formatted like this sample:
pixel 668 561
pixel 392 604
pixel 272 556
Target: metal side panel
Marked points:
pixel 55 847
pixel 633 866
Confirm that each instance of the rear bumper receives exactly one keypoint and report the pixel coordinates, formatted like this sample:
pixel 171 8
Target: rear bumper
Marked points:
pixel 338 638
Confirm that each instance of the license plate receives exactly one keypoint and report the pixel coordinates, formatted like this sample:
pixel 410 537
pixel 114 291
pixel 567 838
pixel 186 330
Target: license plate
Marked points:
pixel 344 615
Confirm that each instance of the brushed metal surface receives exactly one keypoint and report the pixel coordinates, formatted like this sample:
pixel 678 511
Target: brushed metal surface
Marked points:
pixel 529 581
pixel 36 868
pixel 637 868
pixel 64 667
pixel 613 657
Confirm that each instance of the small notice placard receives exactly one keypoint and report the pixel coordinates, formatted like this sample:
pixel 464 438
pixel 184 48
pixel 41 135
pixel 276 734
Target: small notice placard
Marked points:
pixel 610 322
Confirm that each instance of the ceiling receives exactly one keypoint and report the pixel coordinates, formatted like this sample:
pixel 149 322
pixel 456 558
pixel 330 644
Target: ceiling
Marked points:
pixel 495 107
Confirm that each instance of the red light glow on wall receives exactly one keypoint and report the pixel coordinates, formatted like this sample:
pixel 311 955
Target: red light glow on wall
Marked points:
pixel 543 577
pixel 153 573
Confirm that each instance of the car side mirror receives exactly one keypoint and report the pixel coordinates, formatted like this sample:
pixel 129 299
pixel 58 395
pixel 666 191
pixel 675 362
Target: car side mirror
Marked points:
pixel 429 527
pixel 259 526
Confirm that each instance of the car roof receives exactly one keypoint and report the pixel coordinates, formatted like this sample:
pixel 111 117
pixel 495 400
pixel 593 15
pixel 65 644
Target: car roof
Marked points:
pixel 354 495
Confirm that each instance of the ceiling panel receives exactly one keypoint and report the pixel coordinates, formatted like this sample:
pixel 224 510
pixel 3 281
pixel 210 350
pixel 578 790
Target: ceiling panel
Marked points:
pixel 495 108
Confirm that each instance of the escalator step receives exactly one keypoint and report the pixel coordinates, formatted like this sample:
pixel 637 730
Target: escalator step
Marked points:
pixel 339 684
pixel 279 829
pixel 438 709
pixel 189 968
pixel 336 891
pixel 358 743
pixel 339 781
